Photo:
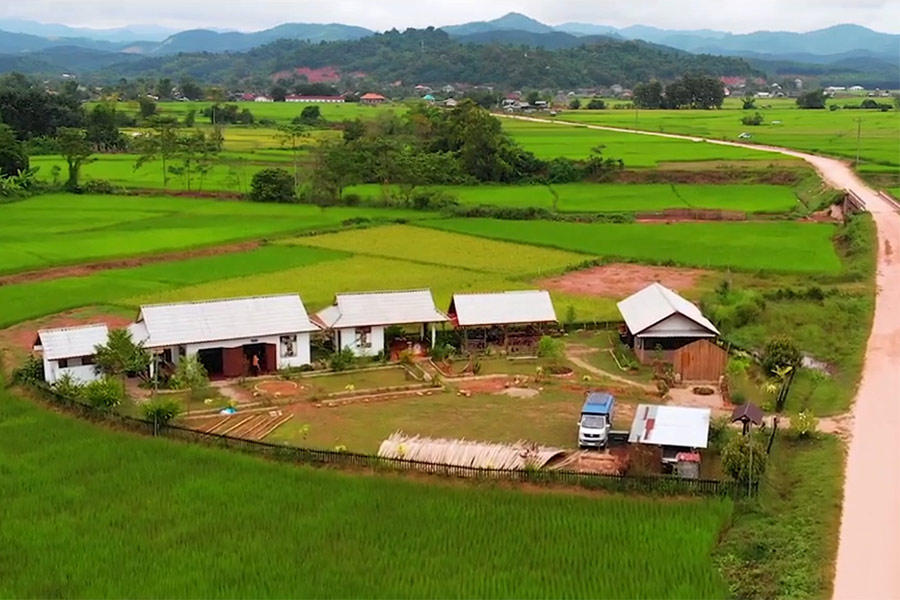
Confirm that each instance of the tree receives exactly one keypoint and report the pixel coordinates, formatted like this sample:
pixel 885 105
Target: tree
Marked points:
pixel 744 458
pixel 34 112
pixel 190 90
pixel 103 127
pixel 575 104
pixel 310 115
pixel 197 154
pixel 781 352
pixel 814 99
pixel 648 95
pixel 164 89
pixel 120 355
pixel 160 143
pixel 147 107
pixel 752 120
pixel 13 158
pixel 596 104
pixel 291 136
pixel 749 103
pixel 76 150
pixel 532 97
pixel 190 117
pixel 278 93
pixel 272 185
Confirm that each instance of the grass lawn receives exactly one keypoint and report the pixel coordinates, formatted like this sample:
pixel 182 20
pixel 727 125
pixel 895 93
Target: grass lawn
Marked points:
pixel 820 131
pixel 59 229
pixel 548 141
pixel 613 197
pixel 360 380
pixel 214 523
pixel 771 246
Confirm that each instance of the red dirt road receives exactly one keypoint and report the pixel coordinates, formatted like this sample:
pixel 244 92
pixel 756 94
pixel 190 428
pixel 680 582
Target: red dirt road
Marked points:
pixel 868 560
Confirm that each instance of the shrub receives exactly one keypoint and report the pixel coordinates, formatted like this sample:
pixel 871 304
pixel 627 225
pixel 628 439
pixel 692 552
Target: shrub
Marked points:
pixel 272 185
pixel 744 458
pixel 563 170
pixel 161 410
pixel 342 360
pixel 551 348
pixel 105 393
pixel 13 154
pixel 596 104
pixel 720 432
pixel 804 425
pixel 68 388
pixel 575 104
pixel 190 374
pixel 441 352
pixel 780 352
pixel 752 120
pixel 99 186
pixel 31 371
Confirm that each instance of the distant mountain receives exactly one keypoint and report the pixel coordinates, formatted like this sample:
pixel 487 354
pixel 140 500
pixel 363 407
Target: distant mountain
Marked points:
pixel 11 43
pixel 205 40
pixel 510 21
pixel 129 33
pixel 552 40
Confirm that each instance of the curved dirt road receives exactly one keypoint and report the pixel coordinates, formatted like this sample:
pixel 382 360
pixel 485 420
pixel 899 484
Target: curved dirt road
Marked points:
pixel 868 561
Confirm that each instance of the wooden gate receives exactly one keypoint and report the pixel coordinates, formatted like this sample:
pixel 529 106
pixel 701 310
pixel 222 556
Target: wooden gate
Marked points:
pixel 700 361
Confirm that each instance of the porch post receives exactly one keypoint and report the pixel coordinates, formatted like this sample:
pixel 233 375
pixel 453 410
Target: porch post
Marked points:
pixel 433 335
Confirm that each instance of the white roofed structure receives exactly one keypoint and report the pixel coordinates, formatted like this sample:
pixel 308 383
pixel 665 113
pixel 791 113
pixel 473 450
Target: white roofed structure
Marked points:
pixel 679 426
pixel 70 342
pixel 657 311
pixel 502 308
pixel 366 309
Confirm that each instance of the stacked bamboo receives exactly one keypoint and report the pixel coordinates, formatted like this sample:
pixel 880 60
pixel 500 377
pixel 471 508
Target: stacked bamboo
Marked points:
pixel 466 453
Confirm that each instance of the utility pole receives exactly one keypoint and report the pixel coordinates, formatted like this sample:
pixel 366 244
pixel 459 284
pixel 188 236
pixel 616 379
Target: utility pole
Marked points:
pixel 858 132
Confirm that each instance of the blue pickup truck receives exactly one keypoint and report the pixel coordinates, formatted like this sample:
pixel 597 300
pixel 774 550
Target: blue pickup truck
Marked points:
pixel 594 424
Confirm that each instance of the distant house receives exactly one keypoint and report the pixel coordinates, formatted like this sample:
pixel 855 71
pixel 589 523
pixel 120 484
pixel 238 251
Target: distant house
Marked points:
pixel 248 97
pixel 358 321
pixel 372 99
pixel 317 99
pixel 70 351
pixel 856 88
pixel 450 102
pixel 514 319
pixel 263 99
pixel 227 334
pixel 448 89
pixel 660 321
pixel 428 98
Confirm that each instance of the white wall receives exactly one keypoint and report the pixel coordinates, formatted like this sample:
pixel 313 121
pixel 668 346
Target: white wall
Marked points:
pixel 348 340
pixel 79 372
pixel 301 349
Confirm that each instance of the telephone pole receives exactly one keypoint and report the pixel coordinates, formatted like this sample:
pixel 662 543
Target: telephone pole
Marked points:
pixel 858 133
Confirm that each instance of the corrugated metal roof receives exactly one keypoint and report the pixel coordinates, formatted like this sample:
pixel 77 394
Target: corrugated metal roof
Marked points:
pixel 226 319
pixel 503 308
pixel 682 426
pixel 381 308
pixel 655 303
pixel 70 342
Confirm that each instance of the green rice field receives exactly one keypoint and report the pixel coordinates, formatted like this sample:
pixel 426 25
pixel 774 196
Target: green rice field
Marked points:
pixel 59 229
pixel 281 112
pixel 771 246
pixel 612 197
pixel 97 513
pixel 821 131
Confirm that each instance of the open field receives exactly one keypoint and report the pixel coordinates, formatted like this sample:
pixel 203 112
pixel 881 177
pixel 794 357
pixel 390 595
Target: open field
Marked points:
pixel 613 197
pixel 59 229
pixel 214 523
pixel 547 142
pixel 772 246
pixel 821 131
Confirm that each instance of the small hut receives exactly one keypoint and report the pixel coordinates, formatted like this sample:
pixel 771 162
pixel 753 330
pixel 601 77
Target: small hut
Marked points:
pixel 747 414
pixel 513 321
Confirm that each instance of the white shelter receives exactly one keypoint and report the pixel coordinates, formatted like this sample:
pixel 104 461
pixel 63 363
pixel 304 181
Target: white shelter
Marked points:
pixel 358 320
pixel 657 317
pixel 231 337
pixel 70 351
pixel 673 426
pixel 502 308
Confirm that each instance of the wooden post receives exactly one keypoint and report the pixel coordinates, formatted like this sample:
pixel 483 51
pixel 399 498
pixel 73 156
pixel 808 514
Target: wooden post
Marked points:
pixel 505 339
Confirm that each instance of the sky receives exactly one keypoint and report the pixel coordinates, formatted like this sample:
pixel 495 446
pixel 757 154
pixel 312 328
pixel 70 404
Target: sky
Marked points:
pixel 738 16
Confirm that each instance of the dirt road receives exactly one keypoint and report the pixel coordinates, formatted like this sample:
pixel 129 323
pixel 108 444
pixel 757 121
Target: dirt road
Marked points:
pixel 868 561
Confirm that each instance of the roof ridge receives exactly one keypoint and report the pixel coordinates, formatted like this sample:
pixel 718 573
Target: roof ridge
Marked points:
pixel 231 299
pixel 501 292
pixel 73 327
pixel 375 292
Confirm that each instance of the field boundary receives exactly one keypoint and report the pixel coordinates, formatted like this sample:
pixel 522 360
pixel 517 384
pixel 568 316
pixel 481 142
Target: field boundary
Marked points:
pixel 660 485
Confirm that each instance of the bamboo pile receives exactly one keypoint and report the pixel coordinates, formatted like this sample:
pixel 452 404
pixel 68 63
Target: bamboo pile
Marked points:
pixel 466 453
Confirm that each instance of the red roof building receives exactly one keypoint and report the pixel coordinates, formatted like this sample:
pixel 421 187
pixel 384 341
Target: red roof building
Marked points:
pixel 372 98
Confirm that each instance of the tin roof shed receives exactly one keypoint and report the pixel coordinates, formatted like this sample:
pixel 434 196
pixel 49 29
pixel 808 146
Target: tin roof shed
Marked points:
pixel 366 309
pixel 681 426
pixel 503 308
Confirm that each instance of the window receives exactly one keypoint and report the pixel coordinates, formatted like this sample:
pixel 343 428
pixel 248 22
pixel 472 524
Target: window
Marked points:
pixel 87 360
pixel 363 337
pixel 63 363
pixel 288 346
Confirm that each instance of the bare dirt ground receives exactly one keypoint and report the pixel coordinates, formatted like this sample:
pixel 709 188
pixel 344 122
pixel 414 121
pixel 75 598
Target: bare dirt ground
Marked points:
pixel 20 338
pixel 618 280
pixel 685 396
pixel 869 545
pixel 121 263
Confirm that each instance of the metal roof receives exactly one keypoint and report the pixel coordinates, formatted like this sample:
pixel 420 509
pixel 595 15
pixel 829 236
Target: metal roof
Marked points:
pixel 670 426
pixel 365 309
pixel 70 342
pixel 219 320
pixel 747 412
pixel 654 304
pixel 503 308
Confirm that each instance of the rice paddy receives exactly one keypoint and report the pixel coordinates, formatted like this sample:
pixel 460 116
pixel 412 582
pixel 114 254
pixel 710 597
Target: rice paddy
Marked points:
pixel 97 513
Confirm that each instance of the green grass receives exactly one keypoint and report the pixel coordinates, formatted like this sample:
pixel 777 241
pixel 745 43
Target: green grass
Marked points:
pixel 612 197
pixel 57 229
pixel 772 246
pixel 31 300
pixel 820 131
pixel 785 546
pixel 97 513
pixel 548 141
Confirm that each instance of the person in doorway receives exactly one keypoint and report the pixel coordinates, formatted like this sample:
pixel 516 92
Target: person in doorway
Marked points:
pixel 255 364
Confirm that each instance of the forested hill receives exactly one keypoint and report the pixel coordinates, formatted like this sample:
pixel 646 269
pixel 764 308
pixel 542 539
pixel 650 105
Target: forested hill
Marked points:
pixel 431 56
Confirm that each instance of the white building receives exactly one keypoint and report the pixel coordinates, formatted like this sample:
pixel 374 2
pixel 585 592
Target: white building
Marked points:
pixel 70 351
pixel 262 99
pixel 231 337
pixel 658 318
pixel 314 99
pixel 358 320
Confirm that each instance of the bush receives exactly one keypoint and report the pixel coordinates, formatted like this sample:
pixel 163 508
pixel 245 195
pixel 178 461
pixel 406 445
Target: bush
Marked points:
pixel 720 432
pixel 563 170
pixel 342 360
pixel 744 458
pixel 190 374
pixel 441 352
pixel 161 410
pixel 68 388
pixel 105 393
pixel 549 347
pixel 780 352
pixel 752 120
pixel 13 155
pixel 99 186
pixel 804 425
pixel 575 104
pixel 30 373
pixel 272 185
pixel 596 104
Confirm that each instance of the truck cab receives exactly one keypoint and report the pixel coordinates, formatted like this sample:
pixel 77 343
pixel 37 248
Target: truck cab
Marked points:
pixel 594 423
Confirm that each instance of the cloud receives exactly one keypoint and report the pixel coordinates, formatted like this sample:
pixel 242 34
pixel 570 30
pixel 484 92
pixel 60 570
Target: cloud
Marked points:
pixel 731 15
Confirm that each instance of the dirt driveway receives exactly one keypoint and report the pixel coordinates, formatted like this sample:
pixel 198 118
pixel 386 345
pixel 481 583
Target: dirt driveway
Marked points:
pixel 869 547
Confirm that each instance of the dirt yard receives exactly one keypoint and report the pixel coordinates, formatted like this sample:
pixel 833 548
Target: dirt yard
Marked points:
pixel 19 339
pixel 619 280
